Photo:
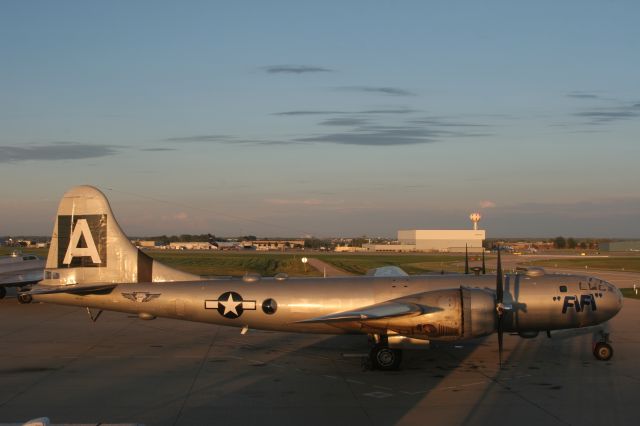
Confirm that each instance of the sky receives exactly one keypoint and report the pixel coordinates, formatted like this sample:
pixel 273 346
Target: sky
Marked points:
pixel 331 118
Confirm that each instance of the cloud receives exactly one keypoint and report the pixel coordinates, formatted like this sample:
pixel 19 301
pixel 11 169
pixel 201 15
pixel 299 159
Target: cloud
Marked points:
pixel 292 202
pixel 343 121
pixel 294 69
pixel 157 149
pixel 445 122
pixel 181 216
pixel 608 115
pixel 55 151
pixel 391 91
pixel 486 204
pixel 582 95
pixel 377 136
pixel 334 112
pixel 389 111
pixel 200 138
pixel 309 112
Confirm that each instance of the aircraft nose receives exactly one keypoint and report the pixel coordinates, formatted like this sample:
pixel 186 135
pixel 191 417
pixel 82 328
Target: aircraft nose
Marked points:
pixel 618 295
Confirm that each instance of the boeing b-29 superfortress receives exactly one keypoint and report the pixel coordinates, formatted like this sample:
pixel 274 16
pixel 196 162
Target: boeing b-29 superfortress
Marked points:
pixel 92 264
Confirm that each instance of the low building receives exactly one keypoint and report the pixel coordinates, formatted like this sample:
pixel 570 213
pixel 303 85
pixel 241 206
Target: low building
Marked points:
pixel 265 245
pixel 620 246
pixel 192 245
pixel 147 243
pixel 350 249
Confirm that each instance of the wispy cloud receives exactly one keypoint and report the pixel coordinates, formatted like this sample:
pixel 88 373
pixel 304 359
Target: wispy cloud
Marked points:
pixel 445 122
pixel 401 110
pixel 389 111
pixel 608 115
pixel 294 202
pixel 391 91
pixel 487 204
pixel 157 149
pixel 372 136
pixel 344 121
pixel 582 95
pixel 200 138
pixel 309 112
pixel 294 69
pixel 55 151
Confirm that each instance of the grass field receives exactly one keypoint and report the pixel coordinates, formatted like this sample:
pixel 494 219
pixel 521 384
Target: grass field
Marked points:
pixel 213 263
pixel 630 293
pixel 411 263
pixel 4 251
pixel 627 263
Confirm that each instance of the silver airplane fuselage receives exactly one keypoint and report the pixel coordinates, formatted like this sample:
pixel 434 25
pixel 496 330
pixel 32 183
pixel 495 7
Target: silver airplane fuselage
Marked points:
pixel 548 302
pixel 91 263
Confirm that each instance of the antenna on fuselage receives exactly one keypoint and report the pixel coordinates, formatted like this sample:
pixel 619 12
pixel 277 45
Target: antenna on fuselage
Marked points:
pixel 499 305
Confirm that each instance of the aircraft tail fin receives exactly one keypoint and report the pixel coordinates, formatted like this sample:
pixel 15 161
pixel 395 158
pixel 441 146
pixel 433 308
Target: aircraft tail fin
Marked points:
pixel 88 246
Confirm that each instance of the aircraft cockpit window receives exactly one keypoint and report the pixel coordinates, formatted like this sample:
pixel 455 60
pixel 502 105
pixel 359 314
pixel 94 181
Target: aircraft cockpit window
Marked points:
pixel 563 289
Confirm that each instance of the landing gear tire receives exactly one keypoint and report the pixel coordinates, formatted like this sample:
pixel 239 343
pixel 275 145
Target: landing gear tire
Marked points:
pixel 603 351
pixel 384 358
pixel 25 298
pixel 3 292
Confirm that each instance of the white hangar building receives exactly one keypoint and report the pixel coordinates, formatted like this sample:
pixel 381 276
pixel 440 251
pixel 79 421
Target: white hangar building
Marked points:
pixel 441 240
pixel 447 240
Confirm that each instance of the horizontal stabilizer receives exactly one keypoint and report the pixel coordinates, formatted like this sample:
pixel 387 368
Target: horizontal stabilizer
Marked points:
pixel 391 309
pixel 70 288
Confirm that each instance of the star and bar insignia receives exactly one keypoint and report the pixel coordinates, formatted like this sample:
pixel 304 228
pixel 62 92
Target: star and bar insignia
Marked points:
pixel 230 305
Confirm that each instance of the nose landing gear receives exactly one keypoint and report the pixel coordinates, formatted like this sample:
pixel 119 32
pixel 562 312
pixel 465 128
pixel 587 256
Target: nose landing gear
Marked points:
pixel 602 350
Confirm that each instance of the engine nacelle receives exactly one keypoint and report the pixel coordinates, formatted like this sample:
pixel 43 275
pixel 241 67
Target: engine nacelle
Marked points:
pixel 449 315
pixel 404 342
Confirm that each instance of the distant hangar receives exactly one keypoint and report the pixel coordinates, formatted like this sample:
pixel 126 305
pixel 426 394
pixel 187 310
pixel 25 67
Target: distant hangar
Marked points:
pixel 620 246
pixel 439 240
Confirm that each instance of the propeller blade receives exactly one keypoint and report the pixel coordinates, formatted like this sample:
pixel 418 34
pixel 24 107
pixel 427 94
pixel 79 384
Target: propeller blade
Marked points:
pixel 499 285
pixel 484 269
pixel 500 333
pixel 466 260
pixel 499 304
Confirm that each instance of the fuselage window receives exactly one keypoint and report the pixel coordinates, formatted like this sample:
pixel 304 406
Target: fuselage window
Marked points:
pixel 269 306
pixel 563 289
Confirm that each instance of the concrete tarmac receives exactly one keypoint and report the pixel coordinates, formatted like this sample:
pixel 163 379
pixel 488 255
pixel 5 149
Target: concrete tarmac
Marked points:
pixel 55 362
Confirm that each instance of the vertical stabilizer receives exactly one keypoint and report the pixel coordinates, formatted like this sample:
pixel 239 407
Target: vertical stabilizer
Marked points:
pixel 88 246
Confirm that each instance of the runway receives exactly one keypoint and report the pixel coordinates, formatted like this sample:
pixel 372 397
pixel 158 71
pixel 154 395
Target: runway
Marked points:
pixel 55 362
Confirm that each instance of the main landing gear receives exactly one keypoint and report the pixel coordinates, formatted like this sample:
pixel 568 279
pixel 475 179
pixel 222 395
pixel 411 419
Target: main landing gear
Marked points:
pixel 3 292
pixel 602 350
pixel 381 356
pixel 24 298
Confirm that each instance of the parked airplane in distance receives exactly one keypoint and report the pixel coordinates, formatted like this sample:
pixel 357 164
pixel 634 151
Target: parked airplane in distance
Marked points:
pixel 20 270
pixel 92 264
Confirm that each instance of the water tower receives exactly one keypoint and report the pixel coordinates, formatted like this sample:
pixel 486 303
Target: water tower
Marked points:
pixel 475 218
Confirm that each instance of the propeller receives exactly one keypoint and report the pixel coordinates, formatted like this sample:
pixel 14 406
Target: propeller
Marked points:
pixel 484 270
pixel 499 304
pixel 466 260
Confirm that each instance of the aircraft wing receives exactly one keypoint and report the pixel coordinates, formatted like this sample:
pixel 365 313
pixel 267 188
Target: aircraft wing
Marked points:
pixel 385 310
pixel 20 278
pixel 70 288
